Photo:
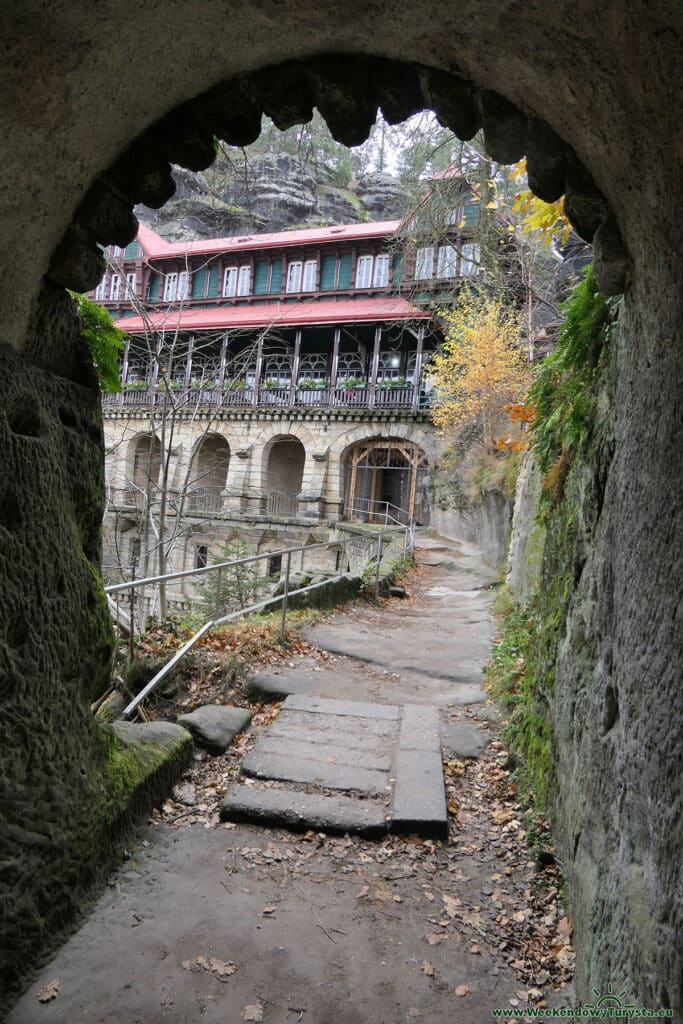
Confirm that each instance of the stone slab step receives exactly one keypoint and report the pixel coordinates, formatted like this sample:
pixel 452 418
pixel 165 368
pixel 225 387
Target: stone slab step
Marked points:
pixel 347 708
pixel 331 735
pixel 285 746
pixel 420 728
pixel 419 794
pixel 303 811
pixel 263 765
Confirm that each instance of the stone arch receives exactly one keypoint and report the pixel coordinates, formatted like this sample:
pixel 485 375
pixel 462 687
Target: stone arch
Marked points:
pixel 143 467
pixel 209 474
pixel 382 479
pixel 283 462
pixel 583 72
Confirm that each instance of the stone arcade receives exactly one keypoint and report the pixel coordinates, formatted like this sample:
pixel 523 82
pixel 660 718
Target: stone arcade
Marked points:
pixel 96 102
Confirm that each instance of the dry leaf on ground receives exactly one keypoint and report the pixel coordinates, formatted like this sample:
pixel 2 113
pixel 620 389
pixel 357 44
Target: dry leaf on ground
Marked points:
pixel 49 991
pixel 427 968
pixel 462 990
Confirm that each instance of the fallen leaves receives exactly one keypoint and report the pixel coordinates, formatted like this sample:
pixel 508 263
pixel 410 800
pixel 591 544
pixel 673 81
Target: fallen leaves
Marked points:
pixel 48 992
pixel 221 969
pixel 427 968
pixel 462 990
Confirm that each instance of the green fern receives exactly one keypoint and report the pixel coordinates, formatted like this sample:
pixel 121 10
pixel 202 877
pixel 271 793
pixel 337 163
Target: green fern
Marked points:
pixel 105 341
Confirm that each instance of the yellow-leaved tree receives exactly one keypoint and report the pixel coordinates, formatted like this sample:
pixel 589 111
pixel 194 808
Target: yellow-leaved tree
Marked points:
pixel 481 368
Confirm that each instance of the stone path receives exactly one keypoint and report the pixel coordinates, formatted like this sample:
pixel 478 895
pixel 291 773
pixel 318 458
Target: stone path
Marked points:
pixel 382 757
pixel 322 928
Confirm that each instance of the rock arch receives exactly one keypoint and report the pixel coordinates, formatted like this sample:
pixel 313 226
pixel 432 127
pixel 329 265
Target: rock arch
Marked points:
pixel 588 85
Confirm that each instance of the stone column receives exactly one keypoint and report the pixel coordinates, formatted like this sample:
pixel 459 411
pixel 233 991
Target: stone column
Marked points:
pixel 238 479
pixel 313 488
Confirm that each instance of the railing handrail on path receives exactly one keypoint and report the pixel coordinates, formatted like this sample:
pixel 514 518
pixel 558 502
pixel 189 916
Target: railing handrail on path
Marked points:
pixel 284 597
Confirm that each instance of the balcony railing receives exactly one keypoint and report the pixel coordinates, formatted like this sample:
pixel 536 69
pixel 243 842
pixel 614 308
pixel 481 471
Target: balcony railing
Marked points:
pixel 367 396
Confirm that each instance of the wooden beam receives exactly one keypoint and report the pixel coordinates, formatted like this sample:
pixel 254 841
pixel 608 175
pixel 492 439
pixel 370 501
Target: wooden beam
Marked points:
pixel 418 366
pixel 296 361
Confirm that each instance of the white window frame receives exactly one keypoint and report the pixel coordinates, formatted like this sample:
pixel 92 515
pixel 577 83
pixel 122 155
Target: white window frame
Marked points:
pixel 294 272
pixel 115 288
pixel 132 284
pixel 424 263
pixel 183 285
pixel 170 287
pixel 364 271
pixel 380 278
pixel 309 276
pixel 455 216
pixel 447 262
pixel 101 290
pixel 470 254
pixel 244 280
pixel 229 282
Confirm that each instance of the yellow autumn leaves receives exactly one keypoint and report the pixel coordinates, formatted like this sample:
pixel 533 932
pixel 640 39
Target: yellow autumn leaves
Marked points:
pixel 481 368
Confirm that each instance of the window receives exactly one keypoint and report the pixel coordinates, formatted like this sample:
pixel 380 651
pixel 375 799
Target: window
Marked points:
pixel 184 285
pixel 424 263
pixel 131 284
pixel 201 556
pixel 447 261
pixel 230 282
pixel 455 216
pixel 364 272
pixel 115 289
pixel 101 290
pixel 469 259
pixel 310 274
pixel 294 277
pixel 381 278
pixel 170 287
pixel 244 281
pixel 275 565
pixel 115 251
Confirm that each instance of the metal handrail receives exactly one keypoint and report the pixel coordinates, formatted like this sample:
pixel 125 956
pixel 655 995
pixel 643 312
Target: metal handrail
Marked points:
pixel 365 505
pixel 259 606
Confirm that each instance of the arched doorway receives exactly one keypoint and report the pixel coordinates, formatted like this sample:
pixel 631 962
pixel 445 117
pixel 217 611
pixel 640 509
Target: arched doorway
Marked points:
pixel 144 470
pixel 212 460
pixel 284 473
pixel 383 479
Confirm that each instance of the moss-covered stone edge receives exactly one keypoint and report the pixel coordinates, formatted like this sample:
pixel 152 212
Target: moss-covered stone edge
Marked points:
pixel 569 443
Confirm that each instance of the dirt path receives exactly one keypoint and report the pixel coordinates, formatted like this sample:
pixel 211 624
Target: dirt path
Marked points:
pixel 218 923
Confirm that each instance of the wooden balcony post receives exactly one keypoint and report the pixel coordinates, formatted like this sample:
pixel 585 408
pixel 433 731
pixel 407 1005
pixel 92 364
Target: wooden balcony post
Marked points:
pixel 224 360
pixel 295 368
pixel 372 390
pixel 188 363
pixel 418 366
pixel 335 365
pixel 259 367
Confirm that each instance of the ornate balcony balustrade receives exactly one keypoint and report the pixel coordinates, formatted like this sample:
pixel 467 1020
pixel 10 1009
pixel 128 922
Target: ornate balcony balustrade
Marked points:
pixel 382 395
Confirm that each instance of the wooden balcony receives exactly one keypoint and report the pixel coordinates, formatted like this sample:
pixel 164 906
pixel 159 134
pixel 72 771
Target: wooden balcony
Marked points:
pixel 382 395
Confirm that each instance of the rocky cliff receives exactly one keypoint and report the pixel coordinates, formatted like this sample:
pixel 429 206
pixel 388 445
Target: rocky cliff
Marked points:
pixel 269 192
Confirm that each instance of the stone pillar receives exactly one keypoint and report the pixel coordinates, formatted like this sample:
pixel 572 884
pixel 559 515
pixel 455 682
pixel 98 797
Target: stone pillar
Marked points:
pixel 238 480
pixel 313 488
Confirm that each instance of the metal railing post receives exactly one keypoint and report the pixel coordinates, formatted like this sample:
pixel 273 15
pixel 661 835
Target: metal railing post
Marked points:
pixel 285 596
pixel 379 563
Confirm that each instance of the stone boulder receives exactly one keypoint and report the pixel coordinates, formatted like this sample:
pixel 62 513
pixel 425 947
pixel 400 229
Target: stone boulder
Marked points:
pixel 214 726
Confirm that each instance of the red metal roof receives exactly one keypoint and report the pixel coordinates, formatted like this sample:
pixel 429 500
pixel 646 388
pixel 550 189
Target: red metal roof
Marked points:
pixel 156 247
pixel 280 314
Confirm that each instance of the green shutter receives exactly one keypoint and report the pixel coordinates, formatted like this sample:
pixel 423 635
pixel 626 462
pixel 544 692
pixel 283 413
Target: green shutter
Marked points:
pixel 212 292
pixel 131 251
pixel 471 213
pixel 276 277
pixel 154 288
pixel 345 271
pixel 261 277
pixel 397 275
pixel 328 272
pixel 199 283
